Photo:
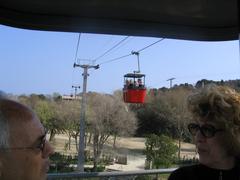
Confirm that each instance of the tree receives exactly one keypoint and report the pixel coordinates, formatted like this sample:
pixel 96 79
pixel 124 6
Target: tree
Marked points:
pixel 123 116
pixel 160 150
pixel 68 112
pixel 29 101
pixel 154 117
pixel 46 111
pixel 107 116
pixel 176 99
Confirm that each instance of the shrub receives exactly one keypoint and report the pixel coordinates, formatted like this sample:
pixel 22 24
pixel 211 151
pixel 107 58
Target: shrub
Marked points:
pixel 160 150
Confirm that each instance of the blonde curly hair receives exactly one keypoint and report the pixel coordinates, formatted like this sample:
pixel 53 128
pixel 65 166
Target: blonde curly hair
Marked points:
pixel 220 105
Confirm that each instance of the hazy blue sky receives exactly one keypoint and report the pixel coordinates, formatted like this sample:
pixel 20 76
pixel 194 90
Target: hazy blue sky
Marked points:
pixel 42 62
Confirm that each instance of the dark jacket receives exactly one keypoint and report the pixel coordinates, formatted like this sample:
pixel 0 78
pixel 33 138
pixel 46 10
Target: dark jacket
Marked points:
pixel 201 172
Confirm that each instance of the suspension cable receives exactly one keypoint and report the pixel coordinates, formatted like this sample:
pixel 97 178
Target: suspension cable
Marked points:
pixel 150 45
pixel 115 59
pixel 76 54
pixel 75 60
pixel 124 39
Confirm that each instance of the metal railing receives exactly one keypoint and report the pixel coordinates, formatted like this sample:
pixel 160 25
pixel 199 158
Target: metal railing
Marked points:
pixel 108 175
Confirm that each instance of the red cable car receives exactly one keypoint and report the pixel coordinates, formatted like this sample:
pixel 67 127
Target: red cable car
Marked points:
pixel 134 90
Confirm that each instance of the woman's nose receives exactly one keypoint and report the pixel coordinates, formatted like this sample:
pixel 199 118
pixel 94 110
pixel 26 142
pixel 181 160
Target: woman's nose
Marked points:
pixel 199 137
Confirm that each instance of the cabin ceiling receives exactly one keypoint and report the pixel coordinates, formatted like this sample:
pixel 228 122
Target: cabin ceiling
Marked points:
pixel 202 20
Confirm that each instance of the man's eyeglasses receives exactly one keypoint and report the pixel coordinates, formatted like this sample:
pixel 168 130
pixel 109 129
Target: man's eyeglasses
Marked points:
pixel 40 146
pixel 206 130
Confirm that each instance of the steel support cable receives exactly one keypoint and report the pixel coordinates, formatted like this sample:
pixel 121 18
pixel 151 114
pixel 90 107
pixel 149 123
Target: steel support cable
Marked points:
pixel 150 45
pixel 115 59
pixel 102 48
pixel 124 43
pixel 75 60
pixel 76 54
pixel 124 39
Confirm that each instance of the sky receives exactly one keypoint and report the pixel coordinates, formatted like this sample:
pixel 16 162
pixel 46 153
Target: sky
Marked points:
pixel 41 62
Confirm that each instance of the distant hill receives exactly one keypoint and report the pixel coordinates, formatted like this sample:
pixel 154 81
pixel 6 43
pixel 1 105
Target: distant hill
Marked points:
pixel 235 84
pixel 231 83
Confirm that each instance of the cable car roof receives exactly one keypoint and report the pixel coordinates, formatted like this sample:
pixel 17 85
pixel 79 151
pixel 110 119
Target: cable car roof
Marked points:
pixel 213 20
pixel 134 75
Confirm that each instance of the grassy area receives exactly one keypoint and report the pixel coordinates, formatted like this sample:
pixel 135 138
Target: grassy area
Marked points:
pixel 130 147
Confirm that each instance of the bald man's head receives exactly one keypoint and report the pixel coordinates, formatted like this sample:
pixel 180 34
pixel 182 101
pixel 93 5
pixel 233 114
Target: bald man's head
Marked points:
pixel 24 150
pixel 11 114
pixel 14 111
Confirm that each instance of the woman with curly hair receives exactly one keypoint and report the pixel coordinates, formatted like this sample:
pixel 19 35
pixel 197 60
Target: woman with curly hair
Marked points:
pixel 216 133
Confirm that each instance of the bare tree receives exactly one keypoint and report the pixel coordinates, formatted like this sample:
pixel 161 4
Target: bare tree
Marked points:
pixel 125 120
pixel 108 117
pixel 69 112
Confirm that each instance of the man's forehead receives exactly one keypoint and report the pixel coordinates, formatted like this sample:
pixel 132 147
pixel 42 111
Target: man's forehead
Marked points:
pixel 13 110
pixel 25 133
pixel 28 121
pixel 20 118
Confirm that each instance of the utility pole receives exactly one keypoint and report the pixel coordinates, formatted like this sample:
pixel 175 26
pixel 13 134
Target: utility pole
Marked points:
pixel 75 91
pixel 81 148
pixel 178 124
pixel 171 79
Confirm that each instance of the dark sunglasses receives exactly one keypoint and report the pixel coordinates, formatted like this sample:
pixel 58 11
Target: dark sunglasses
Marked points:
pixel 206 130
pixel 40 146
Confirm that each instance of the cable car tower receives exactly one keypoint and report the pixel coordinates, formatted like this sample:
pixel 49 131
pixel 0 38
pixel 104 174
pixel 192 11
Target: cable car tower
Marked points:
pixel 134 90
